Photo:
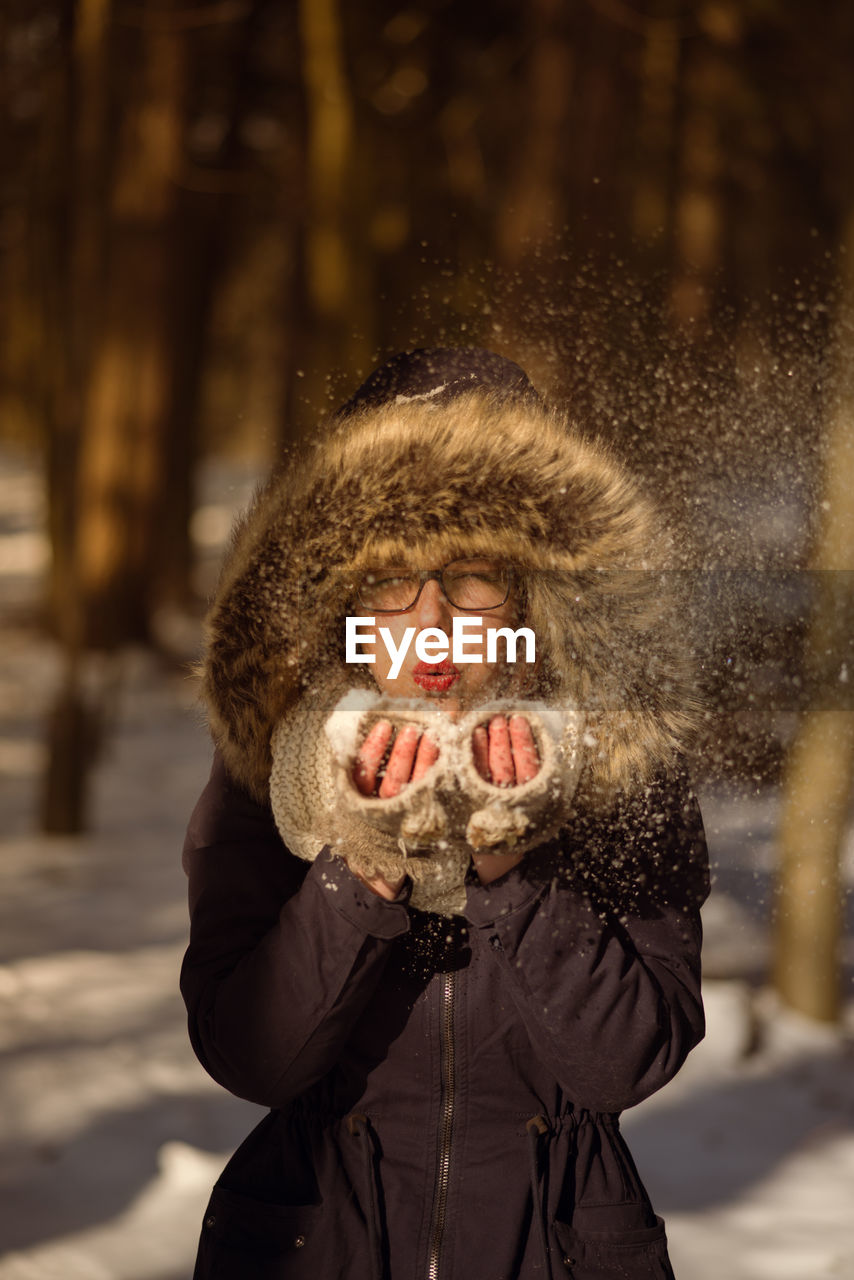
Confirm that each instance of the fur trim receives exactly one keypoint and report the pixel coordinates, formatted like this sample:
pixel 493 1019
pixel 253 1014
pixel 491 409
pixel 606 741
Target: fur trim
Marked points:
pixel 480 475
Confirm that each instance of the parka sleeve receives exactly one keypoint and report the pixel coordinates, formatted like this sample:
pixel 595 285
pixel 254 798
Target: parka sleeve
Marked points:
pixel 283 955
pixel 598 941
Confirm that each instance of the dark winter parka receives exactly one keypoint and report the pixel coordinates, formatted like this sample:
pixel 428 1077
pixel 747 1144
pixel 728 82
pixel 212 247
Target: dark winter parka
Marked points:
pixel 445 1090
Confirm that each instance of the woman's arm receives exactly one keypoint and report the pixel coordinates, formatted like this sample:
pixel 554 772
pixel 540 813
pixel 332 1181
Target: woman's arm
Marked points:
pixel 599 943
pixel 284 954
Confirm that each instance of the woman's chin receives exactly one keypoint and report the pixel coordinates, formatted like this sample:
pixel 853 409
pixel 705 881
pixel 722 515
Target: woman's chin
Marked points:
pixel 445 700
pixel 448 701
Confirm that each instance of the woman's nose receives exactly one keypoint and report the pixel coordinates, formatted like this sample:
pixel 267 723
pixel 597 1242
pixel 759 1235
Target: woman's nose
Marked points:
pixel 432 609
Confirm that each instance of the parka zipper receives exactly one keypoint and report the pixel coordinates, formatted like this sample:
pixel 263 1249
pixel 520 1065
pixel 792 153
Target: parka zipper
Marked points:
pixel 446 1125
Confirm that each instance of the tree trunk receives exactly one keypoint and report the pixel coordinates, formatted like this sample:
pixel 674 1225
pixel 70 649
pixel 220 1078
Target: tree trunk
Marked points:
pixel 336 306
pixel 121 474
pixel 206 205
pixel 529 217
pixel 809 916
pixel 821 764
pixel 72 179
pixel 113 348
pixel 698 231
pixel 656 124
pixel 74 174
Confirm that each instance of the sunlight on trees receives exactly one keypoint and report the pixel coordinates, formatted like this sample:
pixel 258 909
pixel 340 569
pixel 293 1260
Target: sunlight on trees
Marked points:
pixel 219 215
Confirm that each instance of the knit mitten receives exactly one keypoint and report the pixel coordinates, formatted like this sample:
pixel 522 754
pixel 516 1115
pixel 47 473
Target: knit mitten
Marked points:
pixel 506 819
pixel 429 829
pixel 452 806
pixel 315 804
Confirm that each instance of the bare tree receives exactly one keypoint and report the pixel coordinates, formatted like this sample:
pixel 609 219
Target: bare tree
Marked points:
pixel 334 306
pixel 821 763
pixel 114 357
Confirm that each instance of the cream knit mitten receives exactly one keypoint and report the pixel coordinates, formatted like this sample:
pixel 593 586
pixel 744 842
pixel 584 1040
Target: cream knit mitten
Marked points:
pixel 427 831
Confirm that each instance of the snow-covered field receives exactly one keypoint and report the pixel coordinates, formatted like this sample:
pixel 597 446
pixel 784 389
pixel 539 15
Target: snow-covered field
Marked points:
pixel 112 1134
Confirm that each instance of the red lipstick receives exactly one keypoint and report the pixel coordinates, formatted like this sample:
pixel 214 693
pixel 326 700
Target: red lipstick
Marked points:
pixel 435 677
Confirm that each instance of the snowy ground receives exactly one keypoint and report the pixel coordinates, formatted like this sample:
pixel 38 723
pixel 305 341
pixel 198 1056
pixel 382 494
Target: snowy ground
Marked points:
pixel 112 1134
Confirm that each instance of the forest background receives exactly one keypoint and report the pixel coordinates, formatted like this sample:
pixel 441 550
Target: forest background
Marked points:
pixel 216 218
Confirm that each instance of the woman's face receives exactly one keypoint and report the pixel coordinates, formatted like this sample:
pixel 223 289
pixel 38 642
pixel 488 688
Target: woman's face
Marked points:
pixel 454 687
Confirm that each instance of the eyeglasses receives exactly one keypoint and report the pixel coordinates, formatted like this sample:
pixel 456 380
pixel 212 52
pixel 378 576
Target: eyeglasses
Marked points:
pixel 472 586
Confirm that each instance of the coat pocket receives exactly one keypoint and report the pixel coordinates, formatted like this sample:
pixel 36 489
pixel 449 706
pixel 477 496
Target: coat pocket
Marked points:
pixel 247 1239
pixel 614 1255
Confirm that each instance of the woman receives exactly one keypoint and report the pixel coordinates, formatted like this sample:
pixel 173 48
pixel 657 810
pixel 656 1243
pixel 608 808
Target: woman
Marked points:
pixel 484 953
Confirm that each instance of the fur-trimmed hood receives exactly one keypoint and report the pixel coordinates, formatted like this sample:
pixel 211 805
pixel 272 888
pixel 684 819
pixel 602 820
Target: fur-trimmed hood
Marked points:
pixel 426 483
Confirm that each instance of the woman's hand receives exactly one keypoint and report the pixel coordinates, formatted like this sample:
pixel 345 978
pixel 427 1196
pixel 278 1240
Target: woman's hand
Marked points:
pixel 506 755
pixel 505 752
pixel 388 889
pixel 411 756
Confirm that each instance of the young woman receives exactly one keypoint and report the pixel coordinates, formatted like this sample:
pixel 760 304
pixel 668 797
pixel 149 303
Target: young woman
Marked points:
pixel 445 914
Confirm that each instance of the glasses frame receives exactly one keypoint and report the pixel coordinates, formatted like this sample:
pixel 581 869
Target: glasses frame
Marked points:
pixel 427 575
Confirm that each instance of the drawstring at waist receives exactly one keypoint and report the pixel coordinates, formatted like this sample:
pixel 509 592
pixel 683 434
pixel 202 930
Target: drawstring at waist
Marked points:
pixel 538 1128
pixel 359 1127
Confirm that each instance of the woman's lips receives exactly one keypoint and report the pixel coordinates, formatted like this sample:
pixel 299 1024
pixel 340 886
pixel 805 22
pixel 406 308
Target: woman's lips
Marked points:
pixel 435 677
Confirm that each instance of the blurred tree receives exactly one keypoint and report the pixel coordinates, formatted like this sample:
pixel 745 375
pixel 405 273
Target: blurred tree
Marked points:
pixel 74 178
pixel 210 185
pixel 127 293
pixel 706 84
pixel 333 334
pixel 820 773
pixel 658 76
pixel 820 769
pixel 254 201
pixel 121 474
pixel 528 221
